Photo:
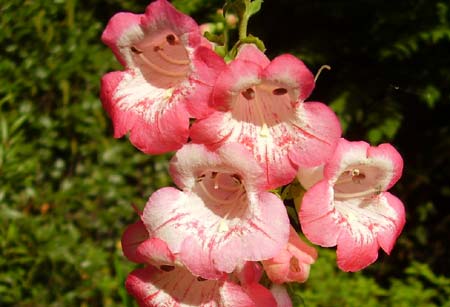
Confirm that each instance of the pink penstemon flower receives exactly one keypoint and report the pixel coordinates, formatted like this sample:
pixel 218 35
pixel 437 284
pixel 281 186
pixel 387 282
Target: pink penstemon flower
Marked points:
pixel 165 281
pixel 351 208
pixel 292 263
pixel 260 104
pixel 221 217
pixel 169 72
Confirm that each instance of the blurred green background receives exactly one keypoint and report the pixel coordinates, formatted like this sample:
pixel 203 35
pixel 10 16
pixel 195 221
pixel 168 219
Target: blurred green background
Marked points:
pixel 66 186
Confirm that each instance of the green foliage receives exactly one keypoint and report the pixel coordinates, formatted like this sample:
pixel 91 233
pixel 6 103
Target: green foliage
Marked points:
pixel 66 186
pixel 327 286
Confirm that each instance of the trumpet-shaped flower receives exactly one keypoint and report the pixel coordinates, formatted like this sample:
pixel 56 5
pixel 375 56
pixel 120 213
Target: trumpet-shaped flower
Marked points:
pixel 176 286
pixel 167 282
pixel 260 104
pixel 292 263
pixel 168 77
pixel 221 217
pixel 350 207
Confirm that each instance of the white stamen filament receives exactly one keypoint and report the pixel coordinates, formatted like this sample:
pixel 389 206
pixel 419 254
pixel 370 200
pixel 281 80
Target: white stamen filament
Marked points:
pixel 369 192
pixel 159 69
pixel 171 60
pixel 221 201
pixel 264 130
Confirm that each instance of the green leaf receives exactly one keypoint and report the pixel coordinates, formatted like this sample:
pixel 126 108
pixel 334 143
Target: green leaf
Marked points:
pixel 254 7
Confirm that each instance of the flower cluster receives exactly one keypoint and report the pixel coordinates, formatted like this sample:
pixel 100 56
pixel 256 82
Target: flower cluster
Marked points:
pixel 240 129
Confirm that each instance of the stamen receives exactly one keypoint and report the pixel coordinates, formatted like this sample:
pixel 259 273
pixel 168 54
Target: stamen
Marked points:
pixel 248 94
pixel 141 55
pixel 320 70
pixel 356 176
pixel 167 268
pixel 370 192
pixel 200 178
pixel 171 39
pixel 136 50
pixel 235 179
pixel 220 201
pixel 172 60
pixel 279 91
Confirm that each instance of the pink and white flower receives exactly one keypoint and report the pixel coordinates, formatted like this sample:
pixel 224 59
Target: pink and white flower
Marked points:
pixel 350 207
pixel 222 217
pixel 167 282
pixel 153 287
pixel 169 72
pixel 260 104
pixel 293 262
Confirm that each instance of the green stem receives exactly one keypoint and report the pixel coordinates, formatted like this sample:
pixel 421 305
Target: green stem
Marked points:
pixel 243 23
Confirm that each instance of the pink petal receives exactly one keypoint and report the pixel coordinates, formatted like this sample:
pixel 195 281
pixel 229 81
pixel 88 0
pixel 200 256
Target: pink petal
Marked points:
pixel 345 154
pixel 318 130
pixel 178 287
pixel 120 26
pixel 365 223
pixel 161 13
pixel 318 216
pixel 250 272
pixel 134 235
pixel 388 152
pixel 238 76
pixel 309 176
pixel 260 295
pixel 233 296
pixel 207 67
pixel 281 295
pixel 251 53
pixel 290 72
pixel 261 235
pixel 356 251
pixel 155 252
pixel 388 236
pixel 155 126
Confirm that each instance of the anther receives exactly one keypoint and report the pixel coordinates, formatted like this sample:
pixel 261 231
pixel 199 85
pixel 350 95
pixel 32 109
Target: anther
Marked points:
pixel 248 94
pixel 200 178
pixel 171 39
pixel 157 48
pixel 279 91
pixel 167 268
pixel 236 178
pixel 136 50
